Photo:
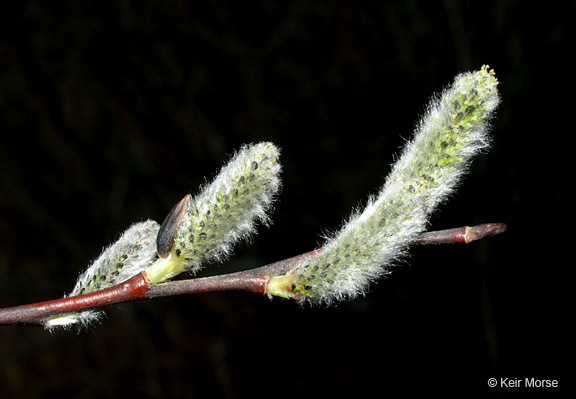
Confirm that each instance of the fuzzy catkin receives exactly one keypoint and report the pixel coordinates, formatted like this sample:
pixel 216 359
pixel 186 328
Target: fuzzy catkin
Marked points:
pixel 224 212
pixel 131 254
pixel 453 130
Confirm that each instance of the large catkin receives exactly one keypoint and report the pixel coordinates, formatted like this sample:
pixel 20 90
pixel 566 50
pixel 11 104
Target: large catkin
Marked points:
pixel 453 130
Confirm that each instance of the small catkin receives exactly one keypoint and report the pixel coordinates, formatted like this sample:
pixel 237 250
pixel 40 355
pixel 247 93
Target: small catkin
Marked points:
pixel 224 212
pixel 453 130
pixel 133 253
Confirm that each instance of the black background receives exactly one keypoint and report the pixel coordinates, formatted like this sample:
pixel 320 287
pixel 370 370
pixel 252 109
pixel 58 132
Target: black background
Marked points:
pixel 111 111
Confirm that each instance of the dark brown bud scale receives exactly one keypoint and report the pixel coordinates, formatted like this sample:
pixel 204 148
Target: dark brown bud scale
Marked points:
pixel 169 228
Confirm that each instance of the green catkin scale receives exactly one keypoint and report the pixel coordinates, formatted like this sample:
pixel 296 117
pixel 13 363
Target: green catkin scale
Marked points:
pixel 453 130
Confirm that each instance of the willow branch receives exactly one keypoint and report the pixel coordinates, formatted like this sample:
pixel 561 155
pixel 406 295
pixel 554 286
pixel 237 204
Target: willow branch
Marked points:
pixel 254 281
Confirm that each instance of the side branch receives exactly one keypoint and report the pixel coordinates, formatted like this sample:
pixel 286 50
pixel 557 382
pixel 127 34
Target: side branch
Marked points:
pixel 255 281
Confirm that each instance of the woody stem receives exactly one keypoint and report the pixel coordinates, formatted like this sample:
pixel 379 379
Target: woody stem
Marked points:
pixel 255 280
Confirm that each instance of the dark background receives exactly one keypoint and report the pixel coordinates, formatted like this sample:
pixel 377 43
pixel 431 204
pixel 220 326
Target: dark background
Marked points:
pixel 111 111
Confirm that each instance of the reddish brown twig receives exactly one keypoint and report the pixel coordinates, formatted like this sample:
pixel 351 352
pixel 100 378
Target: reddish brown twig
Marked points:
pixel 255 280
pixel 461 235
pixel 134 289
